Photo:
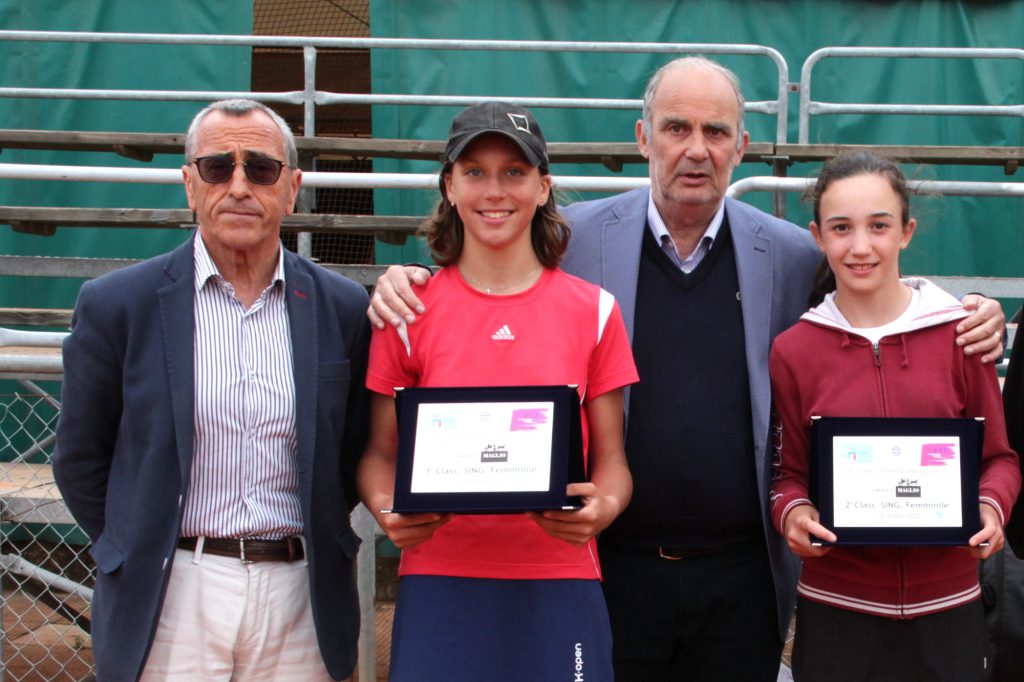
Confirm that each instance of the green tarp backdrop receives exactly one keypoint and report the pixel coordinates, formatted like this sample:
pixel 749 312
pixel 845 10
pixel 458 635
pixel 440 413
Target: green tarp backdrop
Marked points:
pixel 113 66
pixel 968 236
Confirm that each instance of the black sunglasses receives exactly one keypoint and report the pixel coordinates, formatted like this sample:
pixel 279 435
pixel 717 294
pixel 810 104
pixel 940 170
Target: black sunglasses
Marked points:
pixel 260 170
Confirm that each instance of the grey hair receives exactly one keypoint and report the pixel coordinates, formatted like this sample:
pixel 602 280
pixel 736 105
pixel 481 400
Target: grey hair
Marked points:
pixel 695 62
pixel 241 107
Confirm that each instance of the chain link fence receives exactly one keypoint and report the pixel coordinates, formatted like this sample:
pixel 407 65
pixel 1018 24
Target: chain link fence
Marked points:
pixel 45 572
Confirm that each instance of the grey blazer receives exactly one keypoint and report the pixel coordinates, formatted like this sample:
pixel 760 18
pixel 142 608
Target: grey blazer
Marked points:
pixel 775 261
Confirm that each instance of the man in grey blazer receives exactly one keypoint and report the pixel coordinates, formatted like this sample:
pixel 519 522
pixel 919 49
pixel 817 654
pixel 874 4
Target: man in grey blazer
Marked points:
pixel 698 584
pixel 213 416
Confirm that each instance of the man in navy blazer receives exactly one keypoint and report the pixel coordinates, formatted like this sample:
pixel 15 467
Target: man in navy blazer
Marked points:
pixel 698 584
pixel 213 415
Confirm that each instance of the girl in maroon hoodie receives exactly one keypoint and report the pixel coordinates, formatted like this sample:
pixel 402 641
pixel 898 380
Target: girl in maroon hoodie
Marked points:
pixel 881 346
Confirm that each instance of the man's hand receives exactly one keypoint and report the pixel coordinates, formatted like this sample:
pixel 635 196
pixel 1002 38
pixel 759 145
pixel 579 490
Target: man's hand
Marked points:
pixel 393 298
pixel 982 332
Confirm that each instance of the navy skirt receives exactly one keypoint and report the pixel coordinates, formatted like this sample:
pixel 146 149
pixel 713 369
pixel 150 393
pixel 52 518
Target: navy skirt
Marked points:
pixel 460 629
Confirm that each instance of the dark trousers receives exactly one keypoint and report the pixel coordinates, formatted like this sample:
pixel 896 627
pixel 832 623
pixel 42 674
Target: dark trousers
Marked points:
pixel 707 618
pixel 838 645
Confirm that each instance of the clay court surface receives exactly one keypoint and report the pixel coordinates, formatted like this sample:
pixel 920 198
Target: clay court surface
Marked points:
pixel 39 645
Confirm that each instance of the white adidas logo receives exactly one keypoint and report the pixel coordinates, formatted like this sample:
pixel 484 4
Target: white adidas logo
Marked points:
pixel 504 334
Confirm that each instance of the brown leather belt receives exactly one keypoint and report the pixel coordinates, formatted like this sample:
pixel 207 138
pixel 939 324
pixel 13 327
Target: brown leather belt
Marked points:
pixel 248 550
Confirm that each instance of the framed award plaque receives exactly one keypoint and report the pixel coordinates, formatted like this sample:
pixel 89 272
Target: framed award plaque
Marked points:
pixel 487 450
pixel 887 481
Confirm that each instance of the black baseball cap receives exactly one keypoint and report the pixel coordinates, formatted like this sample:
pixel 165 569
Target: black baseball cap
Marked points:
pixel 515 123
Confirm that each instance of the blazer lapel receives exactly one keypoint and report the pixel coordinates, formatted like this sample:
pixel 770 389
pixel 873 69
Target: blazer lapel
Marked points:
pixel 300 299
pixel 177 316
pixel 753 265
pixel 622 239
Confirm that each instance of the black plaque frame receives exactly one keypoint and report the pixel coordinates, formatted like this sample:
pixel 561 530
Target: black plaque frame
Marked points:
pixel 566 451
pixel 971 433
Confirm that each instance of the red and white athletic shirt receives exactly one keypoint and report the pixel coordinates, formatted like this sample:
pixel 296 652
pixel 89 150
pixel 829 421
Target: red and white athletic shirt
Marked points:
pixel 562 330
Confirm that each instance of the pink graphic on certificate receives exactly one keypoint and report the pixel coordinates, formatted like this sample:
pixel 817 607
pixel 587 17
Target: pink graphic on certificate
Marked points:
pixel 528 419
pixel 937 454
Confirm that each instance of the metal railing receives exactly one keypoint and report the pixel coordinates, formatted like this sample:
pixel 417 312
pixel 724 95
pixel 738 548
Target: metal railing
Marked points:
pixel 27 367
pixel 940 187
pixel 809 107
pixel 999 287
pixel 996 287
pixel 310 97
pixel 993 287
pixel 427 181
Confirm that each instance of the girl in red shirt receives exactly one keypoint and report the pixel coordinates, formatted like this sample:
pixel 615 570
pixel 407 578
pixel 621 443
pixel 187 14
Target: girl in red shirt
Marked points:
pixel 502 597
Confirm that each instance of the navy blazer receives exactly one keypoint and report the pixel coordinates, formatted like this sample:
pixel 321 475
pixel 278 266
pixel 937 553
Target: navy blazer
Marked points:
pixel 775 262
pixel 125 442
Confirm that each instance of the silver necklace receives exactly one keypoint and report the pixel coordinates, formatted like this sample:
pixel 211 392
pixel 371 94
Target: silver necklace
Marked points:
pixel 490 290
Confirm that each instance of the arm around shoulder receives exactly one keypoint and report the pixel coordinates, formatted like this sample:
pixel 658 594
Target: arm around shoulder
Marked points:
pixel 982 332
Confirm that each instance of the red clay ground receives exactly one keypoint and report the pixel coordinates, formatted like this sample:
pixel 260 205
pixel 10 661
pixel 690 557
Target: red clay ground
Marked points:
pixel 39 645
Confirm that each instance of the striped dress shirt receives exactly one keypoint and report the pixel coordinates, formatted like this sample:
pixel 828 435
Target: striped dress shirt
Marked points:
pixel 244 480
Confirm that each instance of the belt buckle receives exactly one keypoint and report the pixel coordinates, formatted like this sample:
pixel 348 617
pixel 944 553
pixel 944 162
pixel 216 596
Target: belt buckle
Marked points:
pixel 241 548
pixel 661 553
pixel 292 552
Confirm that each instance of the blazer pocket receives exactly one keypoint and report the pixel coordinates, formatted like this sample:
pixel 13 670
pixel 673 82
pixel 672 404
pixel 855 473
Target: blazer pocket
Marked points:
pixel 106 554
pixel 332 371
pixel 349 542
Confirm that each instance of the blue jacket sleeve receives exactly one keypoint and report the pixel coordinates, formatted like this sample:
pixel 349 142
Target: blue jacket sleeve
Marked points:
pixel 91 400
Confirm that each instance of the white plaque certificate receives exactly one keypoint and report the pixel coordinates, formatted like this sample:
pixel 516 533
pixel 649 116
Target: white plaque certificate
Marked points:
pixel 483 447
pixel 897 480
pixel 487 450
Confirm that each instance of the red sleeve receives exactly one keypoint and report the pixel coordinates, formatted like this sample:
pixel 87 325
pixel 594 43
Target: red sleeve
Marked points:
pixel 1000 468
pixel 790 459
pixel 390 364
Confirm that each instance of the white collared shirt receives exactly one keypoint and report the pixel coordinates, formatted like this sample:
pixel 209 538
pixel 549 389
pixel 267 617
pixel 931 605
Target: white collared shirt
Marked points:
pixel 661 234
pixel 244 478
